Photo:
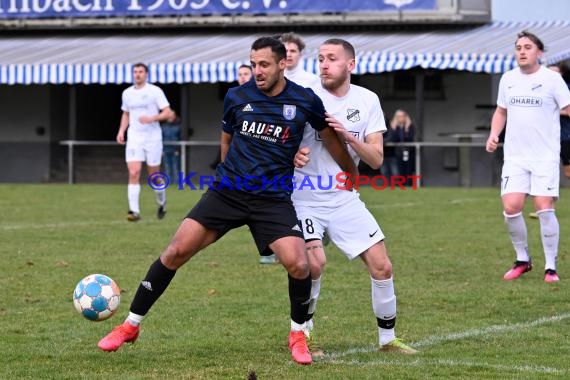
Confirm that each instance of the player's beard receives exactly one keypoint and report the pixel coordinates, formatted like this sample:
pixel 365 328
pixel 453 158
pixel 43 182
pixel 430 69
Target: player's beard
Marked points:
pixel 333 83
pixel 269 85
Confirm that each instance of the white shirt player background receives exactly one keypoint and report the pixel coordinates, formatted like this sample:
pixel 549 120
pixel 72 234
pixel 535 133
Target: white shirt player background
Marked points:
pixel 147 100
pixel 303 78
pixel 533 103
pixel 361 114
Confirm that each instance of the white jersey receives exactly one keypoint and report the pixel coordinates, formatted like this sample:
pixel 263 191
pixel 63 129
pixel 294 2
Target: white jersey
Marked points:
pixel 533 103
pixel 303 78
pixel 361 114
pixel 148 100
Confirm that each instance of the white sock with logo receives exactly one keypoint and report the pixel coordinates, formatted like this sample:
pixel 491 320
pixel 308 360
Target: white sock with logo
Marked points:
pixel 384 306
pixel 517 231
pixel 549 232
pixel 133 192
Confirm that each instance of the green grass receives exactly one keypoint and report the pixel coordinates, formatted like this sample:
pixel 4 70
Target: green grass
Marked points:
pixel 225 315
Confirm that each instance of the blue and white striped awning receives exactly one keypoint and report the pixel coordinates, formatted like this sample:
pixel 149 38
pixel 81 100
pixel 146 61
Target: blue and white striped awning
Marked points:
pixel 193 57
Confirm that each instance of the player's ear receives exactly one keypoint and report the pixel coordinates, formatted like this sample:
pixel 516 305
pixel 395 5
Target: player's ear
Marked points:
pixel 282 63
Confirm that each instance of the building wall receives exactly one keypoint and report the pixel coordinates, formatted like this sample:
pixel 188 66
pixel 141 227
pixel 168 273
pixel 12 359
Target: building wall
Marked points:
pixel 25 129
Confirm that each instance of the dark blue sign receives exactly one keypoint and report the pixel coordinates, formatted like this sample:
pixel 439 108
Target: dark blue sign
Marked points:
pixel 19 9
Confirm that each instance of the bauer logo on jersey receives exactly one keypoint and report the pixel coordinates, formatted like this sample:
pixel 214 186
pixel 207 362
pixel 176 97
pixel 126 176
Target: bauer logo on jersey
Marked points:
pixel 353 115
pixel 289 111
pixel 525 101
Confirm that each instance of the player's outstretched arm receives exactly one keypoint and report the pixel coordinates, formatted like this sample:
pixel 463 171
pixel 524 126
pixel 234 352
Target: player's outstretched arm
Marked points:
pixel 497 125
pixel 338 151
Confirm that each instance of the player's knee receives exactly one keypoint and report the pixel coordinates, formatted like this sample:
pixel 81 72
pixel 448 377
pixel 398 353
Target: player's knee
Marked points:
pixel 298 268
pixel 174 256
pixel 382 269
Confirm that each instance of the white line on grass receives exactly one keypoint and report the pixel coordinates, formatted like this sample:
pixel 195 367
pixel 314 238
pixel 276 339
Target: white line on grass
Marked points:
pixel 10 227
pixel 448 363
pixel 436 339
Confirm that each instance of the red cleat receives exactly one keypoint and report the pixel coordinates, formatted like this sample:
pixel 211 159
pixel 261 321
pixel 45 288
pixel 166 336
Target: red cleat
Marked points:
pixel 550 275
pixel 298 346
pixel 125 333
pixel 518 269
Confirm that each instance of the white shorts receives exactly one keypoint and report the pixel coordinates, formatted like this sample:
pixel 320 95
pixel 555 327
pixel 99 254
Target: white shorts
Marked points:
pixel 150 152
pixel 350 226
pixel 532 178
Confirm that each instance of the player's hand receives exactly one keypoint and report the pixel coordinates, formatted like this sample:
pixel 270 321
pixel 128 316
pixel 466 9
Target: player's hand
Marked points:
pixel 492 143
pixel 144 119
pixel 121 138
pixel 302 157
pixel 339 128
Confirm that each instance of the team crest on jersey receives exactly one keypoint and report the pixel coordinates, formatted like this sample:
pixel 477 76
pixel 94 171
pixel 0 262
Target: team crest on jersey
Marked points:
pixel 289 111
pixel 353 115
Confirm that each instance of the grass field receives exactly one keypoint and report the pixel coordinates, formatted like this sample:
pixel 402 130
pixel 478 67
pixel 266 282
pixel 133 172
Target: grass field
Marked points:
pixel 225 315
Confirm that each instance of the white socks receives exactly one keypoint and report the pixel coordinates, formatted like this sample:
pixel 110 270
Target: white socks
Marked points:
pixel 517 231
pixel 133 195
pixel 549 232
pixel 384 306
pixel 134 319
pixel 315 291
pixel 160 197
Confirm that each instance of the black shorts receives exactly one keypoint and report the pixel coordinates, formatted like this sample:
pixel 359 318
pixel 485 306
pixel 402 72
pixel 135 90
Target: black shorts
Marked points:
pixel 565 152
pixel 268 219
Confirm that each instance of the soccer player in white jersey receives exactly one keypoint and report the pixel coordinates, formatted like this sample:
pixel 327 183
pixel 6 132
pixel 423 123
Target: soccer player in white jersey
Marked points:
pixel 293 70
pixel 529 102
pixel 144 106
pixel 356 114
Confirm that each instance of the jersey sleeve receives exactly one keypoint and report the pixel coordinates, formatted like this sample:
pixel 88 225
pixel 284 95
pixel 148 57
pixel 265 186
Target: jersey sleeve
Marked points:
pixel 501 101
pixel 161 100
pixel 317 113
pixel 124 106
pixel 376 122
pixel 561 93
pixel 228 118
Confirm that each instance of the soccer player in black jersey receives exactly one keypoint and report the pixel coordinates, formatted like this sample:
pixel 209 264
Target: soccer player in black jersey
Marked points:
pixel 262 128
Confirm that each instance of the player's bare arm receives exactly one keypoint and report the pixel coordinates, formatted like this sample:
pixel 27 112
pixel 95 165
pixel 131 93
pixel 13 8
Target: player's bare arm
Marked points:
pixel 370 150
pixel 565 111
pixel 164 115
pixel 497 125
pixel 123 128
pixel 225 141
pixel 338 151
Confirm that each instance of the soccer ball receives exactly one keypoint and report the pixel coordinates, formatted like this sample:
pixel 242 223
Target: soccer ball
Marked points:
pixel 97 297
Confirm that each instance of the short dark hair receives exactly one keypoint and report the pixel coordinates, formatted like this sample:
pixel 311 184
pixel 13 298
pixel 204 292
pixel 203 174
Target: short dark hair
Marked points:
pixel 347 46
pixel 244 66
pixel 531 37
pixel 276 46
pixel 140 64
pixel 293 38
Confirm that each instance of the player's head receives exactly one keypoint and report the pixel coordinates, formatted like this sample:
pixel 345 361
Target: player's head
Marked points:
pixel 268 63
pixel 140 73
pixel 244 74
pixel 336 62
pixel 294 46
pixel 528 50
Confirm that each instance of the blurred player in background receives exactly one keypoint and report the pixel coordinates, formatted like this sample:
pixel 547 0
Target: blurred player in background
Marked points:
pixel 530 100
pixel 144 106
pixel 355 113
pixel 294 71
pixel 244 74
